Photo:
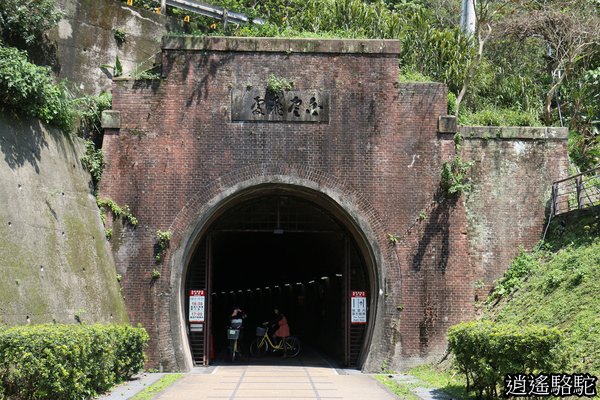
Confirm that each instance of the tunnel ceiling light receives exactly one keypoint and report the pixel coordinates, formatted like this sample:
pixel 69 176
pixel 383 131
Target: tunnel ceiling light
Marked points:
pixel 257 288
pixel 231 291
pixel 324 277
pixel 267 287
pixel 298 283
pixel 338 275
pixel 248 290
pixel 276 286
pixel 287 284
pixel 240 291
pixel 311 281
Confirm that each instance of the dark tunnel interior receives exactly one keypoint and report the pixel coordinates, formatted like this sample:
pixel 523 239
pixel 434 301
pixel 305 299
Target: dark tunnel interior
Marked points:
pixel 280 252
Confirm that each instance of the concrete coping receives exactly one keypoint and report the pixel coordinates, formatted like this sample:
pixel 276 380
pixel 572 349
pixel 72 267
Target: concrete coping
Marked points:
pixel 110 119
pixel 281 45
pixel 513 132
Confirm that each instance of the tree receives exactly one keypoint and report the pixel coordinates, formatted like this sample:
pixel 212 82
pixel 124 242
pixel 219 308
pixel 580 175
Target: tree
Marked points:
pixel 569 29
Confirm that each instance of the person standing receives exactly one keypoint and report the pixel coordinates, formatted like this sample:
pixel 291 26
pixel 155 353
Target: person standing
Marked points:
pixel 283 329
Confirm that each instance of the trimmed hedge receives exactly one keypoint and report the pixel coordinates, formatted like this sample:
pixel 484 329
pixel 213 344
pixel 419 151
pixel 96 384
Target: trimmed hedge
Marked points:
pixel 486 351
pixel 67 361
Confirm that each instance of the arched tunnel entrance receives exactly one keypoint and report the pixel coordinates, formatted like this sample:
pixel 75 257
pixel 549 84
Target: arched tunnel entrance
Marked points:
pixel 281 250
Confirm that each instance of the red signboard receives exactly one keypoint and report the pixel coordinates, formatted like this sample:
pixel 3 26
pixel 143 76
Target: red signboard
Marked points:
pixel 358 307
pixel 197 305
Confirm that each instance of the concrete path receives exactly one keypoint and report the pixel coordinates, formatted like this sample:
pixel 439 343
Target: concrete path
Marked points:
pixel 128 389
pixel 309 376
pixel 271 381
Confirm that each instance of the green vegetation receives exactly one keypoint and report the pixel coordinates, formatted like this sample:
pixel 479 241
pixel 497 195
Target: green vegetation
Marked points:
pixel 449 381
pixel 163 239
pixel 561 290
pixel 65 362
pixel 26 20
pixel 119 212
pixel 427 376
pixel 514 277
pixel 493 116
pixel 90 114
pixel 543 315
pixel 525 60
pixel 117 68
pixel 402 390
pixel 93 161
pixel 151 391
pixel 454 173
pixel 120 36
pixel 485 352
pixel 277 84
pixel 393 239
pixel 27 89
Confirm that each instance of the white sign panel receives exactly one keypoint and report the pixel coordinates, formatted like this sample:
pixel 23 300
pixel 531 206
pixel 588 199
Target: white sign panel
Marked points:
pixel 358 307
pixel 197 301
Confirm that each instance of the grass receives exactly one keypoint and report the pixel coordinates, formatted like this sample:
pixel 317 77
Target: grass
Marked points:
pixel 402 390
pixel 561 290
pixel 151 391
pixel 431 377
pixel 447 380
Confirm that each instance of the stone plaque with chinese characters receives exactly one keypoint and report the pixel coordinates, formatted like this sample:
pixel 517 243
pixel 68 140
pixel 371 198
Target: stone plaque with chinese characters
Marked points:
pixel 290 106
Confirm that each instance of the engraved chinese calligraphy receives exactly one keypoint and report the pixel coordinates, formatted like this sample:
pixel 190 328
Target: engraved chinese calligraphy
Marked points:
pixel 289 106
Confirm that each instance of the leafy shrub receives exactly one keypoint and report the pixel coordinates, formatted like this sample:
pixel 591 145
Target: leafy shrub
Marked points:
pixel 492 116
pixel 451 103
pixel 409 75
pixel 93 161
pixel 28 89
pixel 118 211
pixel 68 361
pixel 514 275
pixel 454 173
pixel 454 176
pixel 277 84
pixel 90 112
pixel 163 239
pixel 27 20
pixel 120 36
pixel 485 352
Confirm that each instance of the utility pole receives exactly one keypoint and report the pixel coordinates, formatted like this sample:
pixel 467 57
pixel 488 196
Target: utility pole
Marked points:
pixel 467 17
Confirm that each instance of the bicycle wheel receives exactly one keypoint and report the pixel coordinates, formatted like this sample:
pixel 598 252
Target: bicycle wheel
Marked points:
pixel 258 347
pixel 234 353
pixel 293 346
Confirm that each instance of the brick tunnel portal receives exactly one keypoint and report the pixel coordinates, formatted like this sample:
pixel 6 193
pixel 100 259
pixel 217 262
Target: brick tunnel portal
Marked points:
pixel 280 251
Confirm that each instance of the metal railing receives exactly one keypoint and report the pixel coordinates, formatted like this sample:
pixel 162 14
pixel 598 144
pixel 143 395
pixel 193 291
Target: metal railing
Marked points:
pixel 576 192
pixel 209 11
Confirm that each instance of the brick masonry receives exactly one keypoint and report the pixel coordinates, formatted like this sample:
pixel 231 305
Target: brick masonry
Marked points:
pixel 178 156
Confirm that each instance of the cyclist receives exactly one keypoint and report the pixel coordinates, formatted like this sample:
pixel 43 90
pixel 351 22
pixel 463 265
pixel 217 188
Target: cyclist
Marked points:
pixel 283 329
pixel 236 321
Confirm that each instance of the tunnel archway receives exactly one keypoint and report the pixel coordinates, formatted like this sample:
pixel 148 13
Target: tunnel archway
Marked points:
pixel 278 246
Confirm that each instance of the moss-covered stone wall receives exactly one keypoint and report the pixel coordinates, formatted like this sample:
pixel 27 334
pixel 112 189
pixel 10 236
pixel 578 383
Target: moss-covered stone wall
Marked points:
pixel 86 44
pixel 55 261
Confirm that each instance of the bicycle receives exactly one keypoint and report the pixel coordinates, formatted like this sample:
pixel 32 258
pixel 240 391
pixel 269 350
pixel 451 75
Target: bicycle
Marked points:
pixel 233 334
pixel 260 346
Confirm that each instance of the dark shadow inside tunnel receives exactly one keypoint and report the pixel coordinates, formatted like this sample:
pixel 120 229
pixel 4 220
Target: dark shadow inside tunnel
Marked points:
pixel 285 252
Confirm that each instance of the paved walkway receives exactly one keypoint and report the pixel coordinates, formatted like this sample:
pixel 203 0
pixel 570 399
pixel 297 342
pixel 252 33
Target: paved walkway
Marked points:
pixel 272 382
pixel 309 376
